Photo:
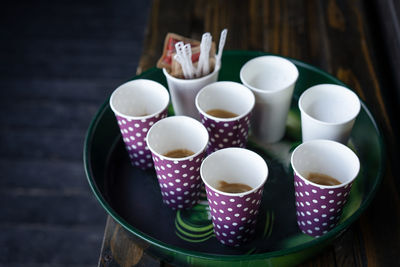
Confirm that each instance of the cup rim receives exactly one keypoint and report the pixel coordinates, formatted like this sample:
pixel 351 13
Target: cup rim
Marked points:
pixel 224 119
pixel 242 194
pixel 176 118
pixel 169 76
pixel 268 92
pixel 316 87
pixel 319 185
pixel 159 85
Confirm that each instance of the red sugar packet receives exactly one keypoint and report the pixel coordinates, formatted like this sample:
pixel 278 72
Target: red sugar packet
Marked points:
pixel 167 59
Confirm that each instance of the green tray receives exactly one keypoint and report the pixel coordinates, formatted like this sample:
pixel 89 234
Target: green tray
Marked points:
pixel 132 196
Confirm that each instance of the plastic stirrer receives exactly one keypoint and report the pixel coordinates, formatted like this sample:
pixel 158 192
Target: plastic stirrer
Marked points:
pixel 187 50
pixel 222 40
pixel 180 57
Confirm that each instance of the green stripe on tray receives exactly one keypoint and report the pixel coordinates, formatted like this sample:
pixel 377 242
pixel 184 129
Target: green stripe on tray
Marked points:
pixel 193 240
pixel 199 235
pixel 191 227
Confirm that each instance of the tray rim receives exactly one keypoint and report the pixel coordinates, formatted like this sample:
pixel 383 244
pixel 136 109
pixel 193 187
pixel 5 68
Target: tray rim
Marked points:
pixel 338 230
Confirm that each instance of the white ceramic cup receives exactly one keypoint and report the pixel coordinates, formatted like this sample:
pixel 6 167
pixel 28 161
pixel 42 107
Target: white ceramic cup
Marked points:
pixel 183 92
pixel 328 111
pixel 272 80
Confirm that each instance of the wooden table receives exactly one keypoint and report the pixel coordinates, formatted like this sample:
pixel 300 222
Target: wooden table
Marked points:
pixel 340 37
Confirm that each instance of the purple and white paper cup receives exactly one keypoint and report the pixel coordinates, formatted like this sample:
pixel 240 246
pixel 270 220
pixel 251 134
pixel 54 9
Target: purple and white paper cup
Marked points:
pixel 137 105
pixel 319 207
pixel 227 96
pixel 179 178
pixel 234 215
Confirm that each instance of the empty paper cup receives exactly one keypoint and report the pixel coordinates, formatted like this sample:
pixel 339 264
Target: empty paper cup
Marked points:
pixel 272 80
pixel 137 105
pixel 178 146
pixel 328 111
pixel 225 110
pixel 184 91
pixel 324 171
pixel 234 179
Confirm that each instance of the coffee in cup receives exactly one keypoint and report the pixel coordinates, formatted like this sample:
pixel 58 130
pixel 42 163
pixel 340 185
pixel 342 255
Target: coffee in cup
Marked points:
pixel 179 153
pixel 322 179
pixel 225 110
pixel 319 203
pixel 221 113
pixel 178 145
pixel 234 214
pixel 233 187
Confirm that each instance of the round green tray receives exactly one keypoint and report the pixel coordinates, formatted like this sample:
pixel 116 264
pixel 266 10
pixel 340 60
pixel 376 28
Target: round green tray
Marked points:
pixel 132 196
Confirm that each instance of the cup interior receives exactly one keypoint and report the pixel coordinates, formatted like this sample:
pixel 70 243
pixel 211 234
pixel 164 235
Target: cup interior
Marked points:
pixel 228 96
pixel 268 74
pixel 234 165
pixel 330 103
pixel 177 132
pixel 326 157
pixel 139 98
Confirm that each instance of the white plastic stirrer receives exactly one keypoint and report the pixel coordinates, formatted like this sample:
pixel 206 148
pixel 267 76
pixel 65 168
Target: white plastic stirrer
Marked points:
pixel 180 57
pixel 221 45
pixel 200 63
pixel 203 67
pixel 187 50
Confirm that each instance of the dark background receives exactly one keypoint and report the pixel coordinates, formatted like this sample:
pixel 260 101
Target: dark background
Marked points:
pixel 59 61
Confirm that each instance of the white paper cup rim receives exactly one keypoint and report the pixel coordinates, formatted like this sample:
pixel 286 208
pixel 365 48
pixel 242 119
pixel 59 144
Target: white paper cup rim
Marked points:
pixel 154 126
pixel 242 115
pixel 339 87
pixel 195 80
pixel 153 83
pixel 269 57
pixel 242 194
pixel 319 185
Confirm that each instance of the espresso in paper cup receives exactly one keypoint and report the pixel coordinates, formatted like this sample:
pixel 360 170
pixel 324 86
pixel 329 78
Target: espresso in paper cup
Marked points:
pixel 225 110
pixel 178 146
pixel 137 105
pixel 234 179
pixel 324 172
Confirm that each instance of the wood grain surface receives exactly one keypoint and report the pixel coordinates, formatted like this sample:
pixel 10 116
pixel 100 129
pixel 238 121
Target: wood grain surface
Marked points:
pixel 341 37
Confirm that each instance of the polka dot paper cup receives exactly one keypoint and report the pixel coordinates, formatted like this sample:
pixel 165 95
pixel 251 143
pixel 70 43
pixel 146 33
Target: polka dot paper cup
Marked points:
pixel 137 105
pixel 319 207
pixel 234 215
pixel 225 96
pixel 179 178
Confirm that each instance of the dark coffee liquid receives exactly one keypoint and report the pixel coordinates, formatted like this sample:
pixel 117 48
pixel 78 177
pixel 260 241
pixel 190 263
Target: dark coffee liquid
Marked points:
pixel 322 179
pixel 233 187
pixel 179 153
pixel 220 113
